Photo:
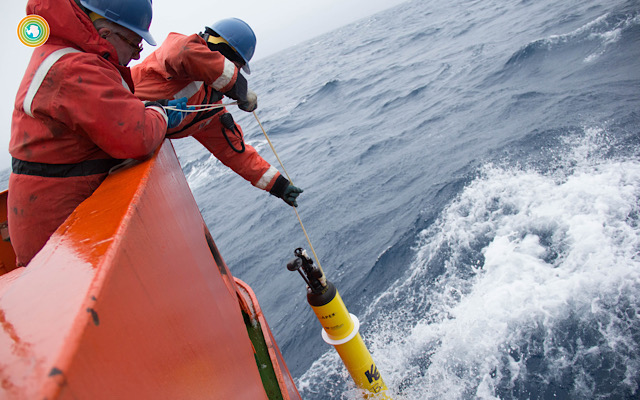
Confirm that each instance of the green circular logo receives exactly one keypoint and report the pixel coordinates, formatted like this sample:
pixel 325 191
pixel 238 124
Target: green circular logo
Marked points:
pixel 33 30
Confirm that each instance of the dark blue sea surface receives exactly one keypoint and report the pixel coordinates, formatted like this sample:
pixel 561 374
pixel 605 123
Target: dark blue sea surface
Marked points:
pixel 472 182
pixel 471 176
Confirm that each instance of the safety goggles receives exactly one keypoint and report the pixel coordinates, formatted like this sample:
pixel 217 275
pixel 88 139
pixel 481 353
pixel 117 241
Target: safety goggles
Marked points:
pixel 137 47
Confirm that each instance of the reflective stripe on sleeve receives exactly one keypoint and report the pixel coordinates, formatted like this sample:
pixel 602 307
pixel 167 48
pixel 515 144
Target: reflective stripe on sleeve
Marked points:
pixel 41 73
pixel 161 111
pixel 189 90
pixel 226 77
pixel 266 178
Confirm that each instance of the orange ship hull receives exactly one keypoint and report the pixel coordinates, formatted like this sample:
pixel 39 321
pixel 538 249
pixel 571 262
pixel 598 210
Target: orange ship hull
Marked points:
pixel 130 299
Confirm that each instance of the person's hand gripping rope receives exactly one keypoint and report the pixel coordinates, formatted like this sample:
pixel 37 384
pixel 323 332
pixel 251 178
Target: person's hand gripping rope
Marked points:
pixel 173 107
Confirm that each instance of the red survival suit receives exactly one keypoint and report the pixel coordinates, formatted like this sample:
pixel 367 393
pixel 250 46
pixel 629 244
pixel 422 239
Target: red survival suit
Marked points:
pixel 74 116
pixel 183 66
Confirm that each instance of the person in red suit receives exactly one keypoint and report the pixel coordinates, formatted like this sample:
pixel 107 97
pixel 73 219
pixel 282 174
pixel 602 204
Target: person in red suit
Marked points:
pixel 75 115
pixel 204 68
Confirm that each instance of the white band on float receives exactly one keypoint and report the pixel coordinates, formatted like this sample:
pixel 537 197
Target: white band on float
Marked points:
pixel 354 332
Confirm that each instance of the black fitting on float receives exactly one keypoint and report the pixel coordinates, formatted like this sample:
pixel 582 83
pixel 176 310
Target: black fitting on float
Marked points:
pixel 318 299
pixel 311 274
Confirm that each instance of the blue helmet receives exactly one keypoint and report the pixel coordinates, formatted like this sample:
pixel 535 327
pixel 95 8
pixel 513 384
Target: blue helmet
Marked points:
pixel 239 35
pixel 134 15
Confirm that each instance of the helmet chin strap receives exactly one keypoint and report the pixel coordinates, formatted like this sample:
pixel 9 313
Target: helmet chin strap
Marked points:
pixel 217 40
pixel 95 16
pixel 227 50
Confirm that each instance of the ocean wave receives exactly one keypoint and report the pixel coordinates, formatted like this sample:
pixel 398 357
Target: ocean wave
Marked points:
pixel 403 99
pixel 596 36
pixel 4 178
pixel 326 89
pixel 526 285
pixel 201 168
pixel 535 290
pixel 204 170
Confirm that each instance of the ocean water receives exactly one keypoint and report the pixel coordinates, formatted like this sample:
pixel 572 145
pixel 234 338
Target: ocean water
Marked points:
pixel 471 176
pixel 472 182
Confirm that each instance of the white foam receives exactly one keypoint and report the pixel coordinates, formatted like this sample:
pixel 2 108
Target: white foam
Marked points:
pixel 212 170
pixel 204 173
pixel 523 253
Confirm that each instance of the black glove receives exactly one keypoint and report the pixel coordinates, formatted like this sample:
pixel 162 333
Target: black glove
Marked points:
pixel 286 191
pixel 251 103
pixel 239 90
pixel 247 99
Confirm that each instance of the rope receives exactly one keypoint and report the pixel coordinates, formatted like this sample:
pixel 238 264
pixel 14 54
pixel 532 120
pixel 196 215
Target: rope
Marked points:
pixel 290 180
pixel 200 107
pixel 207 107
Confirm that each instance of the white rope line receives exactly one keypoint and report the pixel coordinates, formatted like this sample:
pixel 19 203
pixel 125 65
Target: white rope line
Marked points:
pixel 323 278
pixel 207 107
pixel 202 107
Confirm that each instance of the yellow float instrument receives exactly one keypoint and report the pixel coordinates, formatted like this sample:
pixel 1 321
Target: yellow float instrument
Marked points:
pixel 340 328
